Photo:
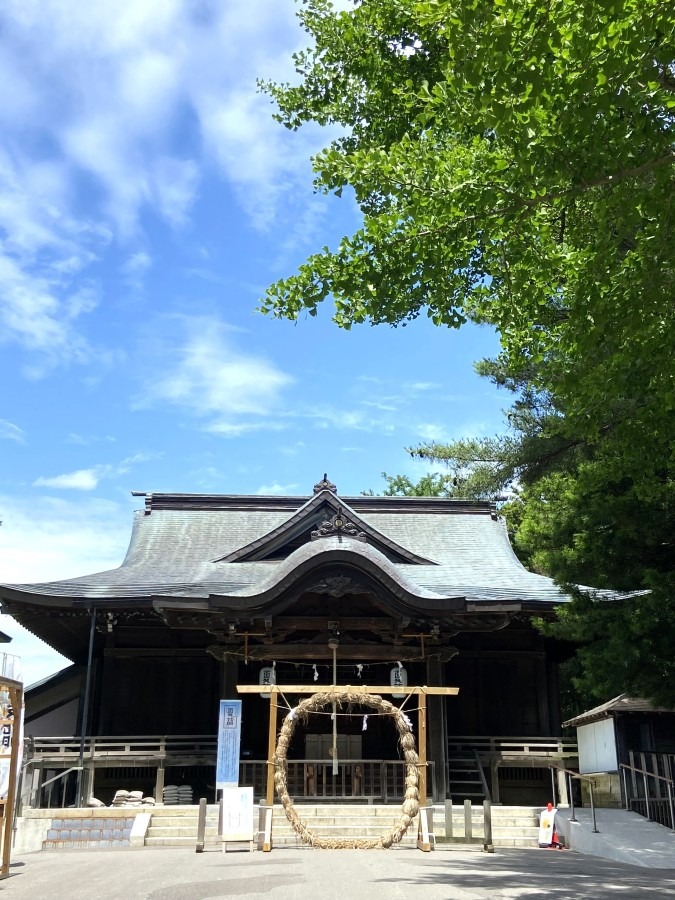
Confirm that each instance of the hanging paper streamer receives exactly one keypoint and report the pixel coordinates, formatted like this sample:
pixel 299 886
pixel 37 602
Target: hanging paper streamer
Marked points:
pixel 364 727
pixel 292 713
pixel 407 721
pixel 316 672
pixel 359 669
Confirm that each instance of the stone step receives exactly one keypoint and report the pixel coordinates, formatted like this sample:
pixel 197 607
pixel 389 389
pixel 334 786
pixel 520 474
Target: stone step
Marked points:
pixel 171 841
pixel 178 831
pixel 511 826
pixel 182 811
pixel 183 821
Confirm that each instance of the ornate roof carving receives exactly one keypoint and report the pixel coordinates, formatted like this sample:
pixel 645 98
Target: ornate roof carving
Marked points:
pixel 325 485
pixel 337 526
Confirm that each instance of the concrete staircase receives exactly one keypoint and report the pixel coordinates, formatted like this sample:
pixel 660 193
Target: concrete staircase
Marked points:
pixel 335 821
pixel 176 826
pixel 512 826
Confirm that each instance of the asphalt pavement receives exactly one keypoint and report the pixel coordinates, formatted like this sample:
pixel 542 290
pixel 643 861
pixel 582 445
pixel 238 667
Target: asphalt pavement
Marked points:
pixel 304 874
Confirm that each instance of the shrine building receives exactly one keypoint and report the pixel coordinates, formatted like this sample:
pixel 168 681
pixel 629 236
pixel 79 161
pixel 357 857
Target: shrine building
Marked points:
pixel 218 591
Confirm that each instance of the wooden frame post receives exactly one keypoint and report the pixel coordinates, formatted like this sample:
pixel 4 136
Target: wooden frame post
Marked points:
pixel 271 749
pixel 15 691
pixel 423 834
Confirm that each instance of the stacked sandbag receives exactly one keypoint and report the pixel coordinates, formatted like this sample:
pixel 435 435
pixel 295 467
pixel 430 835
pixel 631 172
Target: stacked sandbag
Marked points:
pixel 185 795
pixel 170 795
pixel 120 799
pixel 128 798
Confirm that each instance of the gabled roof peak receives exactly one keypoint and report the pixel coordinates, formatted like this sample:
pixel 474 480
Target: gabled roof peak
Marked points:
pixel 323 515
pixel 325 485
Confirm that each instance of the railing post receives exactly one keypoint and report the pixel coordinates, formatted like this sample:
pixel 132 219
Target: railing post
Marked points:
pixel 488 846
pixel 448 819
pixel 573 817
pixel 625 788
pixel 595 827
pixel 670 804
pixel 468 822
pixel 553 789
pixel 201 826
pixel 646 786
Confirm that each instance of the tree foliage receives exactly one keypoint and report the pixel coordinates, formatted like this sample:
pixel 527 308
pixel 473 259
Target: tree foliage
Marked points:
pixel 513 163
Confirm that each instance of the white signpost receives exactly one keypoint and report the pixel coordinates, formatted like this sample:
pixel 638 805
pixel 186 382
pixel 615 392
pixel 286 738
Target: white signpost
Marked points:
pixel 235 820
pixel 229 739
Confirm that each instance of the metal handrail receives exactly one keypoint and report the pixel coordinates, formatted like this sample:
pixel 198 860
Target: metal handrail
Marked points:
pixel 44 784
pixel 591 783
pixel 484 784
pixel 645 775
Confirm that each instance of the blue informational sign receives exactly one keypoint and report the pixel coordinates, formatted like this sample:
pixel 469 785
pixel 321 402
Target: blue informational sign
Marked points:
pixel 229 737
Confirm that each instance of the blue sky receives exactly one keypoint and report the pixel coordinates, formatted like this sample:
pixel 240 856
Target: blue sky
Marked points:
pixel 147 198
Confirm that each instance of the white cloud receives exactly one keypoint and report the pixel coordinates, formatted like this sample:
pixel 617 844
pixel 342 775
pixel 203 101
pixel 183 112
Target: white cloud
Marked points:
pixel 38 660
pixel 292 449
pixel 88 479
pixel 11 432
pixel 43 251
pixel 143 99
pixel 212 377
pixel 432 431
pixel 418 386
pixel 356 419
pixel 174 188
pixel 277 489
pixel 237 429
pixel 85 440
pixel 45 539
pixel 81 480
pixel 136 264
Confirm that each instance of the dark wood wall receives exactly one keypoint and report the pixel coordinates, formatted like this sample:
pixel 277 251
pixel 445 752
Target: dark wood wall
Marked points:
pixel 499 694
pixel 152 695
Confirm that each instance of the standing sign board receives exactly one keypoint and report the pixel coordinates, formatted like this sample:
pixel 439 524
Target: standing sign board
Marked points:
pixel 546 827
pixel 229 736
pixel 237 814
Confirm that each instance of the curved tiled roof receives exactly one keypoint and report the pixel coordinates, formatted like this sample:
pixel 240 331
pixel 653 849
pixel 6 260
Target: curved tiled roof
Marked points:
pixel 180 544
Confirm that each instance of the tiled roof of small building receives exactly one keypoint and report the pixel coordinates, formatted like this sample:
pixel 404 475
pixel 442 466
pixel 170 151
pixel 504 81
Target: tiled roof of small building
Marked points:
pixel 617 705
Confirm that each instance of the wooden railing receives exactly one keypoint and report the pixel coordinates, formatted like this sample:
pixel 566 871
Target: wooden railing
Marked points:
pixel 356 779
pixel 150 747
pixel 163 746
pixel 308 779
pixel 515 747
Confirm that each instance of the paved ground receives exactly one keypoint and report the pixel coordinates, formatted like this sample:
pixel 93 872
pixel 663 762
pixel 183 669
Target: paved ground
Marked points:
pixel 446 874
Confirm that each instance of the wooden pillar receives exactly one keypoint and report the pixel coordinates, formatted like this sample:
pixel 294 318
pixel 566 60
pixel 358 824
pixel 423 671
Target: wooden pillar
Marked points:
pixel 541 682
pixel 423 840
pixel 271 749
pixel 159 783
pixel 563 797
pixel 228 678
pixel 15 691
pixel 553 684
pixel 437 728
pixel 494 770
